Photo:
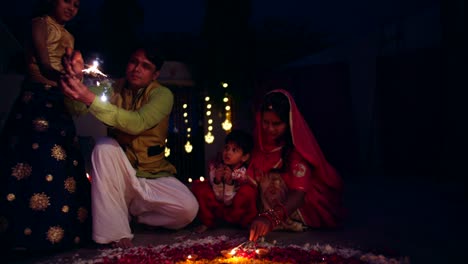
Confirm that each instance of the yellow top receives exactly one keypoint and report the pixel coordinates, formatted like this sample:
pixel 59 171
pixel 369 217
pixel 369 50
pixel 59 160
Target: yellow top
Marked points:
pixel 58 38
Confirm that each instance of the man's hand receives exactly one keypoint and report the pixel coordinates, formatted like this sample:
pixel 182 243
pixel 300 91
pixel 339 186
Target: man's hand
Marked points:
pixel 70 82
pixel 74 89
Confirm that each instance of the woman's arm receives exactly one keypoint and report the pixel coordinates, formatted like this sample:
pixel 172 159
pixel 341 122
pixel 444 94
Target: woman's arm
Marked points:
pixel 297 178
pixel 39 45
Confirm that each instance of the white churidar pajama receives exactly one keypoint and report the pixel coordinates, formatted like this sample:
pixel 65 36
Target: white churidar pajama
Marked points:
pixel 117 194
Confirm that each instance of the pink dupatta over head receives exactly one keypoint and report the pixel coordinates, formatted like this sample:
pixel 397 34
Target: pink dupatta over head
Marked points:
pixel 323 205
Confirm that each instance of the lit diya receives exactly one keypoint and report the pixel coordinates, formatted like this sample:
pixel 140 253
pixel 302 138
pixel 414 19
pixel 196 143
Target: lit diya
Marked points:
pixel 261 252
pixel 192 257
pixel 229 253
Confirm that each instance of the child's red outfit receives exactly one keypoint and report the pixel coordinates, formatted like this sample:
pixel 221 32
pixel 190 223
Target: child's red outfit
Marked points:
pixel 233 203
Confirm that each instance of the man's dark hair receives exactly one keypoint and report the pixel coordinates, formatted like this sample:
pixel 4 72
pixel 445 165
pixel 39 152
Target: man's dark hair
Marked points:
pixel 154 55
pixel 242 139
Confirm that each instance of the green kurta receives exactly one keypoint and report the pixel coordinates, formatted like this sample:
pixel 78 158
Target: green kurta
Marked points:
pixel 139 122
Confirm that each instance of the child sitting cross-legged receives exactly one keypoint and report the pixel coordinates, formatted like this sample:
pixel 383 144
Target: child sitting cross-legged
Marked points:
pixel 230 195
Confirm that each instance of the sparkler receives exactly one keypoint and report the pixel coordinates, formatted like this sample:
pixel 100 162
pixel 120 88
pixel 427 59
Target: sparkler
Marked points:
pixel 102 79
pixel 93 70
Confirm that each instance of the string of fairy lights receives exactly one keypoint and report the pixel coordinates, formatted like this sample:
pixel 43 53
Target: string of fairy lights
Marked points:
pixel 208 111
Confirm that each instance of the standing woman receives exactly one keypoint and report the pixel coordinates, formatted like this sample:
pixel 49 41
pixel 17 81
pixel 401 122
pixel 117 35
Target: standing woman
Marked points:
pixel 45 195
pixel 298 188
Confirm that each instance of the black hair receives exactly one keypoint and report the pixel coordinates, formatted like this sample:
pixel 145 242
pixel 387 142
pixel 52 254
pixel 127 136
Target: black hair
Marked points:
pixel 154 55
pixel 278 103
pixel 42 7
pixel 242 139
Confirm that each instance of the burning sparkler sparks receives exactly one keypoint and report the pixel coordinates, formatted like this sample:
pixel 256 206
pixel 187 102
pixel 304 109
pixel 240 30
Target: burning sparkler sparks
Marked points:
pixel 102 80
pixel 93 70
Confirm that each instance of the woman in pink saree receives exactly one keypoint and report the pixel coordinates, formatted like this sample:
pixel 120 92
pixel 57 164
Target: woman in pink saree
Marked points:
pixel 298 187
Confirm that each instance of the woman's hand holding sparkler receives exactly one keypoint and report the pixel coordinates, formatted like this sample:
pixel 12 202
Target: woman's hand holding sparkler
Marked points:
pixel 70 82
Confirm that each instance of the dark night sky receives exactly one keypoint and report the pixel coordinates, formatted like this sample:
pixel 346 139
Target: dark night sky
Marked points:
pixel 334 16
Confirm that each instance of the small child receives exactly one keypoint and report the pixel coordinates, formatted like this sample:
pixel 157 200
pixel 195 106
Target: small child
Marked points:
pixel 230 195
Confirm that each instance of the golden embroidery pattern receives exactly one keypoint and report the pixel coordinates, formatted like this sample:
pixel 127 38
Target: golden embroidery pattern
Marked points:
pixel 21 171
pixel 39 202
pixel 11 197
pixel 35 146
pixel 65 209
pixel 27 231
pixel 40 124
pixel 27 96
pixel 82 214
pixel 55 234
pixel 49 177
pixel 58 152
pixel 70 185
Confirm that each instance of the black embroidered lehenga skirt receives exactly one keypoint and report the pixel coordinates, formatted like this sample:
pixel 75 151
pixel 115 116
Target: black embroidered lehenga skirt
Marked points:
pixel 45 195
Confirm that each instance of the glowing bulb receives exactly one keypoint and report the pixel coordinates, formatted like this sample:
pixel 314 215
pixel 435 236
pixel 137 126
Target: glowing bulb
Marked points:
pixel 208 106
pixel 88 177
pixel 210 121
pixel 189 129
pixel 202 178
pixel 188 147
pixel 167 152
pixel 185 114
pixel 225 85
pixel 227 108
pixel 207 98
pixel 184 106
pixel 227 125
pixel 189 179
pixel 208 113
pixel 210 128
pixel 103 98
pixel 209 138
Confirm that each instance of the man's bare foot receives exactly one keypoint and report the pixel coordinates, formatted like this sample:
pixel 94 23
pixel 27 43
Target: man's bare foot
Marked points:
pixel 200 229
pixel 123 243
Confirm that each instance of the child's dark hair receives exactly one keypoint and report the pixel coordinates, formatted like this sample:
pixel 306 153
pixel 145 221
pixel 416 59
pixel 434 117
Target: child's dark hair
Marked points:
pixel 242 139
